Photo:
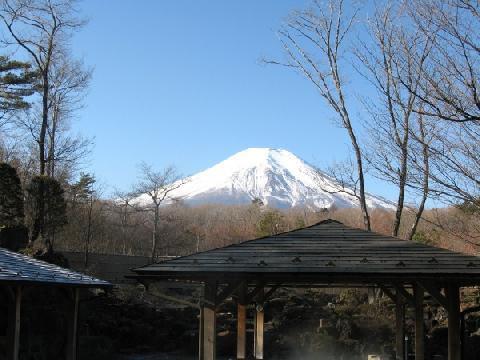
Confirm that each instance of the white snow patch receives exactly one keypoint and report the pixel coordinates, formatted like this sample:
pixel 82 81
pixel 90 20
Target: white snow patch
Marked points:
pixel 275 176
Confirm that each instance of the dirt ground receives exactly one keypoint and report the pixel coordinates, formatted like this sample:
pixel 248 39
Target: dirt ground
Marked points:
pixel 162 356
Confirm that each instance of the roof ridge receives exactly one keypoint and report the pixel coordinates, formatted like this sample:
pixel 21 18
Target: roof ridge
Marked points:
pixel 327 221
pixel 322 222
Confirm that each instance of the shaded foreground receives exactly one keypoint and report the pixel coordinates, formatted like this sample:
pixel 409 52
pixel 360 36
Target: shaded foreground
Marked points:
pixel 132 324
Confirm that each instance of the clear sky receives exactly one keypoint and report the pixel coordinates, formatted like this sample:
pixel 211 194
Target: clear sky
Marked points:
pixel 180 82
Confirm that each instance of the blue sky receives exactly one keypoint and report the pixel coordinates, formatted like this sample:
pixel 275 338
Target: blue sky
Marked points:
pixel 180 82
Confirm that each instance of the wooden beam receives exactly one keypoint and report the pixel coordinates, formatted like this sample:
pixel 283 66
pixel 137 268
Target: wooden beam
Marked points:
pixel 209 334
pixel 209 322
pixel 228 291
pixel 241 331
pixel 270 292
pixel 399 327
pixel 406 295
pixel 200 333
pixel 399 301
pixel 259 328
pixel 434 292
pixel 72 323
pixel 259 333
pixel 389 293
pixel 173 299
pixel 258 289
pixel 242 322
pixel 454 336
pixel 14 321
pixel 419 323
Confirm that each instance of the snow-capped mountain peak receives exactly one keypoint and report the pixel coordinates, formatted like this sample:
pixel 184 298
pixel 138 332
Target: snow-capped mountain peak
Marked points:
pixel 275 176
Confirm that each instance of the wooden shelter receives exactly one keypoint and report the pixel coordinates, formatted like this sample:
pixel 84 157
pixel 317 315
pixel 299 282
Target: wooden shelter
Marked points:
pixel 20 273
pixel 328 254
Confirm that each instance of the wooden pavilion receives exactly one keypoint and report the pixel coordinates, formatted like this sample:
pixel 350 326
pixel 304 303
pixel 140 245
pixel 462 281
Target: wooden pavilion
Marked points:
pixel 19 274
pixel 328 254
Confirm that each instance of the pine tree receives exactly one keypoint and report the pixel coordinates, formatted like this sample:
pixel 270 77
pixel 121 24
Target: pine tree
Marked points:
pixel 82 190
pixel 83 197
pixel 11 198
pixel 272 222
pixel 17 81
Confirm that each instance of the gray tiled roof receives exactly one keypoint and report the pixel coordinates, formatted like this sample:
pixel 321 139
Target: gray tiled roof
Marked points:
pixel 326 250
pixel 18 268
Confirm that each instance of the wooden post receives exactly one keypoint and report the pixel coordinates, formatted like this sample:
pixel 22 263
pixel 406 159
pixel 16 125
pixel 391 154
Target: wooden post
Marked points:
pixel 419 323
pixel 13 336
pixel 200 332
pixel 72 324
pixel 242 323
pixel 453 296
pixel 400 327
pixel 208 322
pixel 259 328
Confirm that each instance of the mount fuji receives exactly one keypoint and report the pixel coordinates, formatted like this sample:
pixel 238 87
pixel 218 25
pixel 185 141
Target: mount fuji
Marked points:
pixel 275 176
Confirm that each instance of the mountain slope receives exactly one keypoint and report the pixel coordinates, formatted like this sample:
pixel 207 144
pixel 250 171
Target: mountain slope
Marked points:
pixel 275 176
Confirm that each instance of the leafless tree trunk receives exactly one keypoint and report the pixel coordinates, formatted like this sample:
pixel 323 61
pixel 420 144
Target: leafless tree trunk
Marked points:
pixel 130 219
pixel 69 82
pixel 392 57
pixel 425 176
pixel 124 222
pixel 53 136
pixel 88 234
pixel 156 186
pixel 323 32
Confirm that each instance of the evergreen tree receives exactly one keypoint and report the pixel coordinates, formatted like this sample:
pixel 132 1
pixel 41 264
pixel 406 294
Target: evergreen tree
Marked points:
pixel 272 222
pixel 46 209
pixel 82 200
pixel 82 190
pixel 16 83
pixel 11 198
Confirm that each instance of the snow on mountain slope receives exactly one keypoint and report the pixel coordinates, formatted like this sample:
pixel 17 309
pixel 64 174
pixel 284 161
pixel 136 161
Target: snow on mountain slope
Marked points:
pixel 275 176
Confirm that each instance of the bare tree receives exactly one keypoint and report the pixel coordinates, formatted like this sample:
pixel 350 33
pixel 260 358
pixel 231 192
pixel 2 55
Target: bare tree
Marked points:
pixel 124 205
pixel 419 160
pixel 69 82
pixel 450 90
pixel 314 41
pixel 157 187
pixel 344 179
pixel 41 28
pixel 391 58
pixel 448 94
pixel 455 164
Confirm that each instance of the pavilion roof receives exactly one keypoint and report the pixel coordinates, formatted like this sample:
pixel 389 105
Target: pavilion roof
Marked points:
pixel 328 251
pixel 21 269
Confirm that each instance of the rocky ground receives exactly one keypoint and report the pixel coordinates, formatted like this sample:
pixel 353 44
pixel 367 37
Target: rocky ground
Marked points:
pixel 158 356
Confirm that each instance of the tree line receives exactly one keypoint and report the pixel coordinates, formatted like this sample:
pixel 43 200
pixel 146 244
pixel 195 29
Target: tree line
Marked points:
pixel 120 229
